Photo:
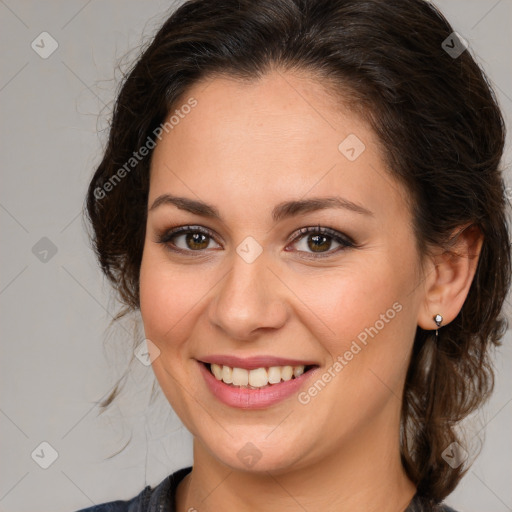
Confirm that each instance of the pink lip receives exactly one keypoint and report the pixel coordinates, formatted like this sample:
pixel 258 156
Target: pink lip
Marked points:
pixel 251 363
pixel 246 398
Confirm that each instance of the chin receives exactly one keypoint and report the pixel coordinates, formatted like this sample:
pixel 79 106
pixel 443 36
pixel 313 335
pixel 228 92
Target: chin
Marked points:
pixel 254 451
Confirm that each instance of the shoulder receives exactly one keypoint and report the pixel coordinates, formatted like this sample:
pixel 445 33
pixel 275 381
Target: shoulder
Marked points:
pixel 133 505
pixel 149 499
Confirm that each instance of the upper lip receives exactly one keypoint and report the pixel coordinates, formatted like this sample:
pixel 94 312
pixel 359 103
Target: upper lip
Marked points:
pixel 251 363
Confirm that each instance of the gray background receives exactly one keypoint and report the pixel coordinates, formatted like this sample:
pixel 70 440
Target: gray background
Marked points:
pixel 57 356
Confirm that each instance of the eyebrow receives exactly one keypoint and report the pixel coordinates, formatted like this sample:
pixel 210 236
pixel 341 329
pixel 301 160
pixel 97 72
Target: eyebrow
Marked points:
pixel 281 211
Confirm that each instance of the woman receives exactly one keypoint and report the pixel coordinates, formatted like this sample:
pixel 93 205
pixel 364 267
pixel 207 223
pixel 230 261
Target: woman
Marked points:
pixel 304 200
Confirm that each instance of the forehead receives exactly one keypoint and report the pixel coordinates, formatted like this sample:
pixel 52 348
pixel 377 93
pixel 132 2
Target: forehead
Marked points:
pixel 282 136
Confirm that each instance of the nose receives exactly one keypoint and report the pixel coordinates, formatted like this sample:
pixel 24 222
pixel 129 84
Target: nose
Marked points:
pixel 249 300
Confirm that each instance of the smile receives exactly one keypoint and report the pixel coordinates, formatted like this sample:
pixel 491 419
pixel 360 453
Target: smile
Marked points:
pixel 261 384
pixel 257 378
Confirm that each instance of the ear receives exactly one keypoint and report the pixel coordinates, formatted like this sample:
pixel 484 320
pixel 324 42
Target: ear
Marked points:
pixel 449 277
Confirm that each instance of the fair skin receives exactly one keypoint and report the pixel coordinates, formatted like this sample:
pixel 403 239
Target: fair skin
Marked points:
pixel 244 149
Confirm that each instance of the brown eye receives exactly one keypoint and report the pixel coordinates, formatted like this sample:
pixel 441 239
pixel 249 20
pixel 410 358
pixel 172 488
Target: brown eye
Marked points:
pixel 196 241
pixel 187 239
pixel 318 243
pixel 320 240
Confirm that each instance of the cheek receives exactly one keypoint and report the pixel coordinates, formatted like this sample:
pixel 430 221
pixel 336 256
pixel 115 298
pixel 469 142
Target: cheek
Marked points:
pixel 167 296
pixel 348 301
pixel 368 322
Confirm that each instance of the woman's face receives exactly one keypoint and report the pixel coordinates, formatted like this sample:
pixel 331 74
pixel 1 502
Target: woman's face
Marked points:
pixel 255 164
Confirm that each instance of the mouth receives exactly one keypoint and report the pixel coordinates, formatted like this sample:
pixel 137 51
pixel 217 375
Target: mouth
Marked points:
pixel 256 378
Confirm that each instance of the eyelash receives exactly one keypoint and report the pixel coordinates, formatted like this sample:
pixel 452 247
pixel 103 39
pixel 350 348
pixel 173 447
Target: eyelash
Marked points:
pixel 345 241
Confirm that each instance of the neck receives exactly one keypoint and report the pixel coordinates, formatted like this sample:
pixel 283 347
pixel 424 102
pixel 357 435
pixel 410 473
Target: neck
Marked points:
pixel 366 474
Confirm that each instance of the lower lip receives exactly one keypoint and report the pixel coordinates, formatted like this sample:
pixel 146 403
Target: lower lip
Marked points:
pixel 246 398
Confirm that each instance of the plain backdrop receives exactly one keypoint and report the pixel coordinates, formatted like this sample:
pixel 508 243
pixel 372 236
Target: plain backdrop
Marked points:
pixel 57 357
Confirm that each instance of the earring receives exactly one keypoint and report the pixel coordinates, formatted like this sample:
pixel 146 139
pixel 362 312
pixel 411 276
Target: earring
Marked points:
pixel 438 320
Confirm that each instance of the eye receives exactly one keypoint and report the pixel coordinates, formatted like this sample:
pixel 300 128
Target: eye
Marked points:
pixel 187 239
pixel 319 240
pixel 315 241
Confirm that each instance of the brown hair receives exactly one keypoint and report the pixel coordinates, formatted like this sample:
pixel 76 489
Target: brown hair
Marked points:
pixel 434 113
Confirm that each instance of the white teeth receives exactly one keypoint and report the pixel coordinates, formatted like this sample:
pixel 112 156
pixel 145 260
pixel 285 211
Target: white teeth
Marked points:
pixel 257 378
pixel 274 374
pixel 298 371
pixel 227 374
pixel 240 377
pixel 217 371
pixel 286 373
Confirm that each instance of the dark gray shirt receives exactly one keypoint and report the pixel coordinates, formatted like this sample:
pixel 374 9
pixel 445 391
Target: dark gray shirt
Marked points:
pixel 162 499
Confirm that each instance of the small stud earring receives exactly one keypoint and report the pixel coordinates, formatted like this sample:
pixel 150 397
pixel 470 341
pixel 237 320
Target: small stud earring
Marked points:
pixel 438 320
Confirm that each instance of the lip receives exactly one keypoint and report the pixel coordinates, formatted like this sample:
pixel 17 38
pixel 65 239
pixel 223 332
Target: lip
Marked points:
pixel 246 398
pixel 251 363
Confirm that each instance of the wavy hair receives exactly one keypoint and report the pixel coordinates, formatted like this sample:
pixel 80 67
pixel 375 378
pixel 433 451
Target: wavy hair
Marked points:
pixel 441 132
